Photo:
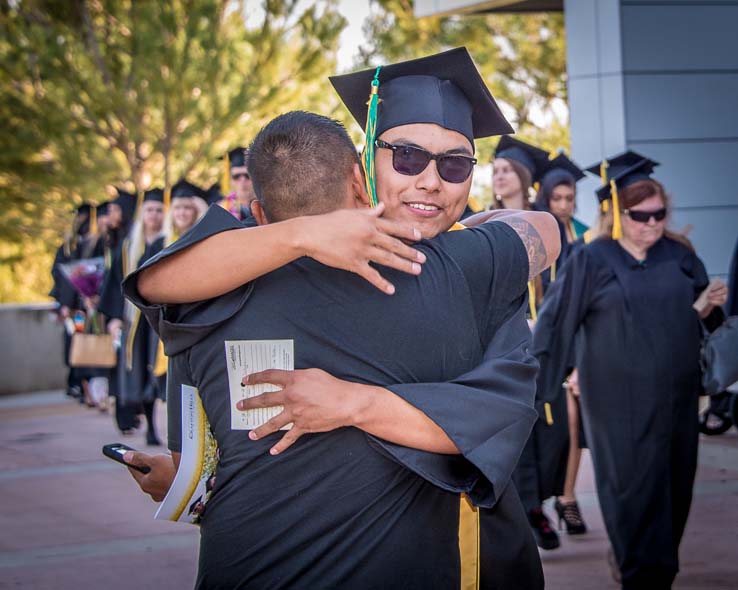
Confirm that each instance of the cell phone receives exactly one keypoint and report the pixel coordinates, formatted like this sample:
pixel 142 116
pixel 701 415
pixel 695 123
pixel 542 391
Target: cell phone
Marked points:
pixel 115 451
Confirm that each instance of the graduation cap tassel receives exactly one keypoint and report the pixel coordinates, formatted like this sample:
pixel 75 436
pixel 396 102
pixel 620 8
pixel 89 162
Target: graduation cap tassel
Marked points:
pixel 617 228
pixel 532 301
pixel 167 197
pixel 367 161
pixel 603 172
pixel 93 220
pixel 226 176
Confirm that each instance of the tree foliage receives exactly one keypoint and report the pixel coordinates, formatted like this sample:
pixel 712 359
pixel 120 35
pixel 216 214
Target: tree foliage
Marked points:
pixel 103 93
pixel 521 57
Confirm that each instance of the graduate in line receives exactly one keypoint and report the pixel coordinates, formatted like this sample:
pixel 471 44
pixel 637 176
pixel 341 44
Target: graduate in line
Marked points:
pixel 626 301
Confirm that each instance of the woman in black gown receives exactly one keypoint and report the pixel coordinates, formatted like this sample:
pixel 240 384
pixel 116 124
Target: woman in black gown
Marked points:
pixel 137 386
pixel 628 304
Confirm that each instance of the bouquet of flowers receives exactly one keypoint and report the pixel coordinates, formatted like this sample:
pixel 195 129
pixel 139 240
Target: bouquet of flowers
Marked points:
pixel 85 275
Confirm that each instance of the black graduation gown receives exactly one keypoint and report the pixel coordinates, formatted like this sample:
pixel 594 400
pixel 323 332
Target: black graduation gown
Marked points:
pixel 637 351
pixel 541 470
pixel 135 380
pixel 504 406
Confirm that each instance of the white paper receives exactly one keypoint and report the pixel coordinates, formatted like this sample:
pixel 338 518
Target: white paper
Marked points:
pixel 245 357
pixel 193 483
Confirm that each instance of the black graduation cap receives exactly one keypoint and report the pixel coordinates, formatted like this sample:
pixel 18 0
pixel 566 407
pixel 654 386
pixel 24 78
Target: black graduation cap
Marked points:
pixel 562 166
pixel 127 203
pixel 533 158
pixel 102 208
pixel 83 209
pixel 445 89
pixel 184 188
pixel 623 169
pixel 213 194
pixel 237 156
pixel 154 194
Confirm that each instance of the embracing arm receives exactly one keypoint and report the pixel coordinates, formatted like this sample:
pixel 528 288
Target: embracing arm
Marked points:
pixel 315 401
pixel 537 229
pixel 485 415
pixel 347 239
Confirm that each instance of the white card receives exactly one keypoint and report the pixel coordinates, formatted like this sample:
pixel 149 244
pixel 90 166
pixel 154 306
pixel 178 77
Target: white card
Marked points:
pixel 244 357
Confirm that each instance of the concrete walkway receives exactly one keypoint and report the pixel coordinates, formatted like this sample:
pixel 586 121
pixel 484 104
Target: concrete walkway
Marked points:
pixel 72 519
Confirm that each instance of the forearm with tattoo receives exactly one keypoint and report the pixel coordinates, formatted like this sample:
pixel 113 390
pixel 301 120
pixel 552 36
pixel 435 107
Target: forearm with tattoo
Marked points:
pixel 534 246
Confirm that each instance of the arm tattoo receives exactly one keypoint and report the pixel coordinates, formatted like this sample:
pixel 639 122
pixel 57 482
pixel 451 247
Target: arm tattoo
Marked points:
pixel 533 243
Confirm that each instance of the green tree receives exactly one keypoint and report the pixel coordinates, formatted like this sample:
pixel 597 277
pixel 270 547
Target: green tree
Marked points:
pixel 99 93
pixel 521 57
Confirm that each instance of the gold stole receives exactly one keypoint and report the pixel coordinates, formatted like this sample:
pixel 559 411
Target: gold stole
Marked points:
pixel 468 528
pixel 162 360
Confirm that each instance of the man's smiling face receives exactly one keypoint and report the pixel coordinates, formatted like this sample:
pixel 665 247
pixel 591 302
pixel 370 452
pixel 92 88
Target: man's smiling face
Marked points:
pixel 425 200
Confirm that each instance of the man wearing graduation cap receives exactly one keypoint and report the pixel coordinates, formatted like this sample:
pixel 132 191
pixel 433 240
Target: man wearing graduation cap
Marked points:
pixel 425 196
pixel 236 175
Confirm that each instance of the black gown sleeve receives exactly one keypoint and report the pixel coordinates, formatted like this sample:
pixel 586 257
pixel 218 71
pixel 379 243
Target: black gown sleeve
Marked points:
pixel 215 221
pixel 111 295
pixel 488 412
pixel 559 318
pixel 695 269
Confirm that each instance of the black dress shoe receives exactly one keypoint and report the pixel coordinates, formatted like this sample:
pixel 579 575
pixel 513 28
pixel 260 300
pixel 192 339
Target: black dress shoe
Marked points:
pixel 546 537
pixel 570 514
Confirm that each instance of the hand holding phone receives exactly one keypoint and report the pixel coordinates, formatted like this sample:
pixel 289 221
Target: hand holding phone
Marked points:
pixel 115 451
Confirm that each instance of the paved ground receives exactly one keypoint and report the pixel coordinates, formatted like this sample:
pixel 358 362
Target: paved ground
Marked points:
pixel 72 519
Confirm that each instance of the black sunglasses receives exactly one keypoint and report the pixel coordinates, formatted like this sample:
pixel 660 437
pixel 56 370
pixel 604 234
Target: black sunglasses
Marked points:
pixel 645 216
pixel 411 161
pixel 240 175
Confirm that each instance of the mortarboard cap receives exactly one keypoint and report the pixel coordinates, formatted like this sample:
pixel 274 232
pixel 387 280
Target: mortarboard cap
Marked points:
pixel 562 165
pixel 102 208
pixel 184 188
pixel 83 209
pixel 622 170
pixel 533 158
pixel 237 156
pixel 154 194
pixel 445 89
pixel 213 194
pixel 127 203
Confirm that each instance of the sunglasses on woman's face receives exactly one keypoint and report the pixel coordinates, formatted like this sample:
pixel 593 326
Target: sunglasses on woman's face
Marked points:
pixel 411 161
pixel 645 216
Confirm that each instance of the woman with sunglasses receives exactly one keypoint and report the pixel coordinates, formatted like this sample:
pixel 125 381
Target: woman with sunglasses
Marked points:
pixel 626 301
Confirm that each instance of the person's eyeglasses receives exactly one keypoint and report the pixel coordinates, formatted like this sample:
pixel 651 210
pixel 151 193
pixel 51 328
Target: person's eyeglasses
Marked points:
pixel 411 161
pixel 240 175
pixel 645 216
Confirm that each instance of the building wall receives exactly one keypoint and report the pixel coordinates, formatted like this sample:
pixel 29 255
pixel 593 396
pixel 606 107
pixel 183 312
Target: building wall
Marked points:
pixel 32 352
pixel 661 77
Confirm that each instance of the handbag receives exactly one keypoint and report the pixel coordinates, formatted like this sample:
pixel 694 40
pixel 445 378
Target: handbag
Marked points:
pixel 92 350
pixel 720 357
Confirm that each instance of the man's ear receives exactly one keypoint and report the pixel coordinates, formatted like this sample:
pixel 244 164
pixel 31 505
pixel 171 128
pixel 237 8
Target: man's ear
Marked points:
pixel 358 187
pixel 258 212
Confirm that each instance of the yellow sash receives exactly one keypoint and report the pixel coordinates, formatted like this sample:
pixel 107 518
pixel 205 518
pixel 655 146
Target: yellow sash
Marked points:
pixel 468 528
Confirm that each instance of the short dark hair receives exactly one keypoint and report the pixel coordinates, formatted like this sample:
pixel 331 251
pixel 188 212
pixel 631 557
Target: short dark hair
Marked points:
pixel 300 163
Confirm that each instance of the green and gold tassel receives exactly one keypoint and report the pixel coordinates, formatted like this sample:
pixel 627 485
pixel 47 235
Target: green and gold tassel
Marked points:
pixel 367 161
